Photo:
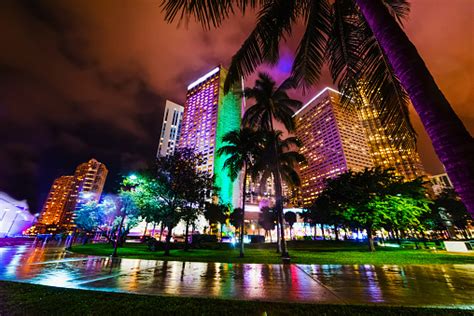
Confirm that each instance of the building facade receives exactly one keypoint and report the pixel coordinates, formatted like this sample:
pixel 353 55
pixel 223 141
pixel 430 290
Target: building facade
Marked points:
pixel 333 142
pixel 59 199
pixel 170 129
pixel 67 194
pixel 383 147
pixel 208 115
pixel 15 217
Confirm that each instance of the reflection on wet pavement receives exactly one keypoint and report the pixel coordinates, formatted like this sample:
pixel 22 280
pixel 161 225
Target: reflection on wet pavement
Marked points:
pixel 416 285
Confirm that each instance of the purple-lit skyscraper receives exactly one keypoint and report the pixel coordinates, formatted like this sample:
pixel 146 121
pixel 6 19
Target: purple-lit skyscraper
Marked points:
pixel 208 115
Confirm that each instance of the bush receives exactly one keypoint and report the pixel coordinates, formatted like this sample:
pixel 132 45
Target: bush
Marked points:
pixel 155 245
pixel 200 238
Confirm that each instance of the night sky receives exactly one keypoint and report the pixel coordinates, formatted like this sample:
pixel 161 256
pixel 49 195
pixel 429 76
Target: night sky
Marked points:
pixel 82 79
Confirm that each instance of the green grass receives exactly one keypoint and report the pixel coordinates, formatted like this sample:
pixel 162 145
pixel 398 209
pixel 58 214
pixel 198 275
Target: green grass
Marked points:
pixel 28 299
pixel 314 252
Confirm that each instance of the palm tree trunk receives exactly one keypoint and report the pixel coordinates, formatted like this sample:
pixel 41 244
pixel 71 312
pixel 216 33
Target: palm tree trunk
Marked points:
pixel 452 142
pixel 244 188
pixel 279 207
pixel 278 236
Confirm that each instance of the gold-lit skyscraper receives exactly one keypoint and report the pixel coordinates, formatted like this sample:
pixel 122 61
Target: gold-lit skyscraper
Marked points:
pixel 66 195
pixel 384 150
pixel 89 180
pixel 58 199
pixel 333 142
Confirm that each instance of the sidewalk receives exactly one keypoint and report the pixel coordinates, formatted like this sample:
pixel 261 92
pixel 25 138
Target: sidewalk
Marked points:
pixel 417 285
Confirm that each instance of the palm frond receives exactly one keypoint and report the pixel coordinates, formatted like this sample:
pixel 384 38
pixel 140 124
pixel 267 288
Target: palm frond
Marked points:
pixel 209 13
pixel 274 21
pixel 310 54
pixel 399 9
pixel 359 67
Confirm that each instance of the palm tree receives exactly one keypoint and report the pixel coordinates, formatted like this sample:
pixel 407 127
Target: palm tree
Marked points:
pixel 279 161
pixel 272 103
pixel 365 45
pixel 242 148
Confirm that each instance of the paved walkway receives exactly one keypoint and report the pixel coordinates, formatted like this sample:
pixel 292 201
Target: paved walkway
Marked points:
pixel 415 285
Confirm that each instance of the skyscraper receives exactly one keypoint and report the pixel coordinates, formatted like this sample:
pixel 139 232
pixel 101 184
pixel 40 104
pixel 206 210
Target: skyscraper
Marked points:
pixel 171 129
pixel 333 142
pixel 383 148
pixel 89 180
pixel 57 202
pixel 208 115
pixel 67 194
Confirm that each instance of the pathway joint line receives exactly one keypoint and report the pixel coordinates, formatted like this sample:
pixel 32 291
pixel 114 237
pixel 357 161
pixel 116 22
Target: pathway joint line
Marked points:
pixel 323 285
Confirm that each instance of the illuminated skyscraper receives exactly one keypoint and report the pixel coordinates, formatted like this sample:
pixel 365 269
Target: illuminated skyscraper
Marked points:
pixel 384 150
pixel 208 116
pixel 89 180
pixel 171 129
pixel 333 142
pixel 59 198
pixel 69 192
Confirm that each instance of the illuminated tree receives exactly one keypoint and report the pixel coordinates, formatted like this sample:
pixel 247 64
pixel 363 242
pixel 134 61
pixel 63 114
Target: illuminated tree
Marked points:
pixel 290 218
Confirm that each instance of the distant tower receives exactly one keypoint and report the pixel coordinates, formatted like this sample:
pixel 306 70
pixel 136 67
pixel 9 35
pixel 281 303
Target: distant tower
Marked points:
pixel 333 142
pixel 171 129
pixel 208 115
pixel 89 180
pixel 59 197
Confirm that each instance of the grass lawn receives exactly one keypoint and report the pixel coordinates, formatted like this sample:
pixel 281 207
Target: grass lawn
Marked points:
pixel 312 252
pixel 27 299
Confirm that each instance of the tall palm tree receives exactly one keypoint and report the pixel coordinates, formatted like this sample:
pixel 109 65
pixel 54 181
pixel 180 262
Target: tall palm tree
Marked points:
pixel 365 45
pixel 272 103
pixel 279 160
pixel 242 149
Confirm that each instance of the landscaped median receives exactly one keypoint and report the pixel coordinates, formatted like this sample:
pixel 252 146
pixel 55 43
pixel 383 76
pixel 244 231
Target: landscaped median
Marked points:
pixel 28 299
pixel 314 252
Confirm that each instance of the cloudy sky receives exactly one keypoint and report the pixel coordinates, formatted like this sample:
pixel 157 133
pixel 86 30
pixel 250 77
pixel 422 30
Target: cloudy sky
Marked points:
pixel 82 79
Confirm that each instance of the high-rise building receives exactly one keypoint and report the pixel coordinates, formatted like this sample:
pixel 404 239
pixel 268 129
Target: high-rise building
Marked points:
pixel 384 149
pixel 170 129
pixel 208 115
pixel 89 180
pixel 57 202
pixel 67 194
pixel 333 142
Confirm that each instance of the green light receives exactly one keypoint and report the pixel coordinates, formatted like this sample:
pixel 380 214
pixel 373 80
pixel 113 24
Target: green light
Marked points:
pixel 228 119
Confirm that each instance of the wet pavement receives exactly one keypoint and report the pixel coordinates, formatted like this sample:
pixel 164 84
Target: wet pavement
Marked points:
pixel 414 285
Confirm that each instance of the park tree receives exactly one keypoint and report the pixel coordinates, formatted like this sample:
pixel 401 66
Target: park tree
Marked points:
pixel 216 213
pixel 449 210
pixel 370 58
pixel 91 217
pixel 290 218
pixel 267 220
pixel 180 188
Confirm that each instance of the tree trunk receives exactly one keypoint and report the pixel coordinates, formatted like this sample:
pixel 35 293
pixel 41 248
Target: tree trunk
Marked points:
pixel 222 227
pixel 370 239
pixel 336 232
pixel 322 232
pixel 278 250
pixel 168 241
pixel 117 239
pixel 186 234
pixel 452 142
pixel 162 228
pixel 279 208
pixel 153 231
pixel 146 227
pixel 242 223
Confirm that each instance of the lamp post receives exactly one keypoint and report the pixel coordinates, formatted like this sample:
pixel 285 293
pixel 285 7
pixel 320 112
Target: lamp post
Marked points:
pixel 13 222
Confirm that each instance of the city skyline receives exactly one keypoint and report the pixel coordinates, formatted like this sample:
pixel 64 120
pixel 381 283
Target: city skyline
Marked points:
pixel 115 113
